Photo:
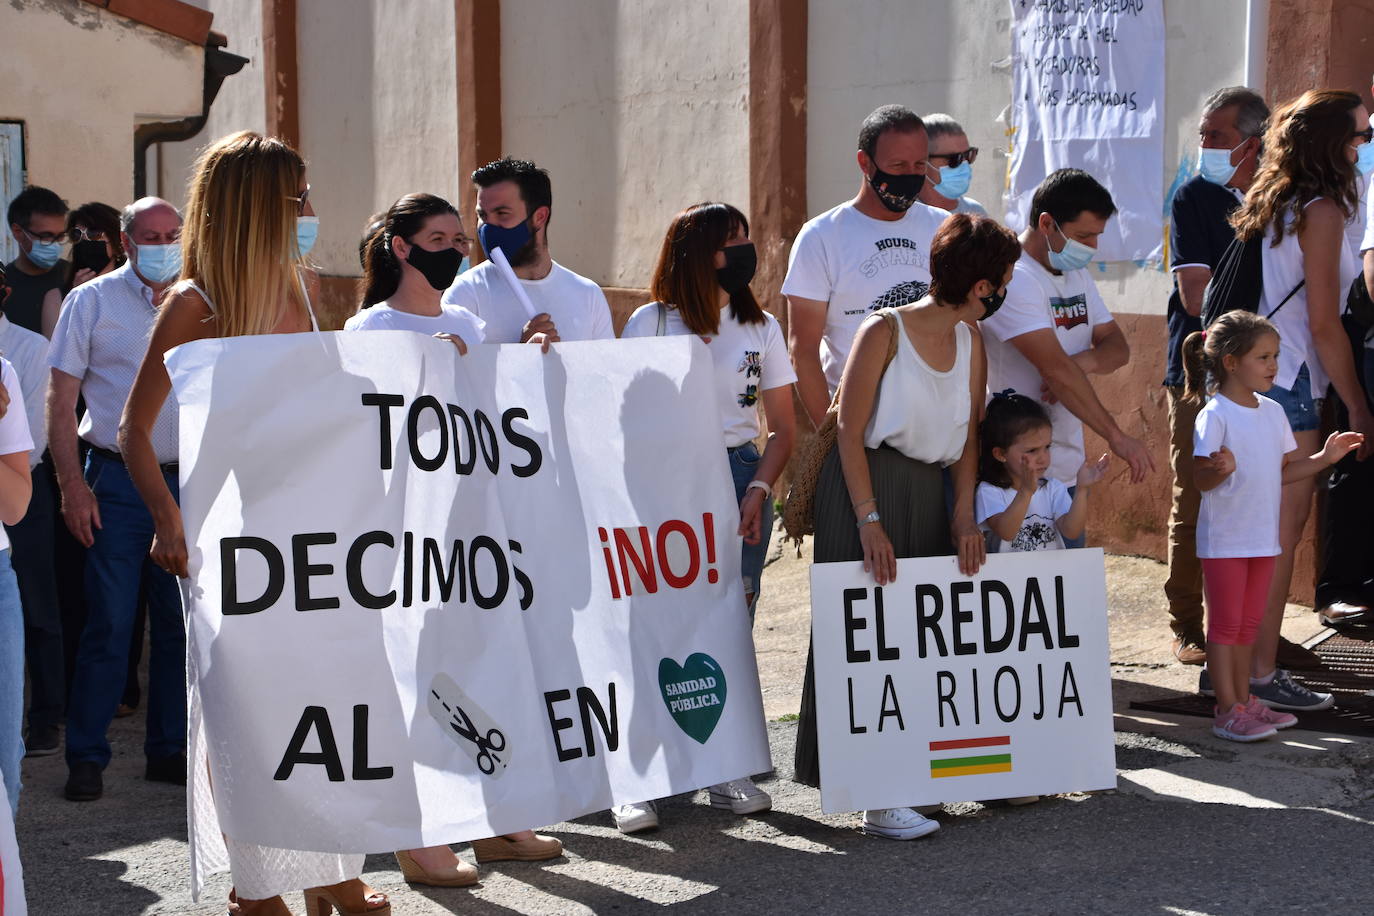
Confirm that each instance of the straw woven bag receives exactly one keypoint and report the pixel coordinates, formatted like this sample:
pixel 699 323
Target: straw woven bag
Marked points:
pixel 799 512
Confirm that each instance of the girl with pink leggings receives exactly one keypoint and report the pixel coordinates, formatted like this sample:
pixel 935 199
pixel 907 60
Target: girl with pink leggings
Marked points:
pixel 1243 454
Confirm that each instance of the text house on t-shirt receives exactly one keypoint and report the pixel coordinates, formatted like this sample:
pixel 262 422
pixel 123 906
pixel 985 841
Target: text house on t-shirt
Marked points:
pixel 894 252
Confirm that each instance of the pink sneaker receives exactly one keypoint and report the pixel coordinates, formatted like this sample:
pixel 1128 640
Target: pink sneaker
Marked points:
pixel 1236 724
pixel 1275 717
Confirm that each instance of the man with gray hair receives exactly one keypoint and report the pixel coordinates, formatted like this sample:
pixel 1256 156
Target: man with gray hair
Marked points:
pixel 951 167
pixel 1230 135
pixel 96 350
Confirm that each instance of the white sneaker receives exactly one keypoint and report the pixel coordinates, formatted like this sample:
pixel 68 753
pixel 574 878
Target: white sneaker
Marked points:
pixel 635 817
pixel 898 823
pixel 740 796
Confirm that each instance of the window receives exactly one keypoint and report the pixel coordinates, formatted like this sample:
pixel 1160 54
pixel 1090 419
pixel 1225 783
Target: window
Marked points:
pixel 11 179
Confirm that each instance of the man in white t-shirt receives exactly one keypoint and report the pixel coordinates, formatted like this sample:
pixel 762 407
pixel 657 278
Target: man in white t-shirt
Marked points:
pixel 514 203
pixel 868 253
pixel 1054 330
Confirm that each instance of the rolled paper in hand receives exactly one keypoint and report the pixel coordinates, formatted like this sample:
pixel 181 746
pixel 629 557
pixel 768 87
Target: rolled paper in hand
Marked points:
pixel 498 257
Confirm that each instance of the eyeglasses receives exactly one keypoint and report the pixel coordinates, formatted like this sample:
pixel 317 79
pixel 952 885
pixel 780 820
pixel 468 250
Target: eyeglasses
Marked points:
pixel 300 201
pixel 81 233
pixel 45 237
pixel 969 155
pixel 1367 134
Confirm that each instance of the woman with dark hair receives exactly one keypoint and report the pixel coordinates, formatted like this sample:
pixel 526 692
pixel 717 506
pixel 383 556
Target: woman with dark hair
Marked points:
pixel 701 286
pixel 93 229
pixel 1304 192
pixel 412 254
pixel 881 491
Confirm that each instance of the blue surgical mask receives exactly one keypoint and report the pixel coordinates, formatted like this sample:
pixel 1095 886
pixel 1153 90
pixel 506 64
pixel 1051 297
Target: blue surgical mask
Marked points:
pixel 1073 256
pixel 1365 162
pixel 157 264
pixel 45 254
pixel 463 265
pixel 511 241
pixel 307 230
pixel 1215 164
pixel 954 180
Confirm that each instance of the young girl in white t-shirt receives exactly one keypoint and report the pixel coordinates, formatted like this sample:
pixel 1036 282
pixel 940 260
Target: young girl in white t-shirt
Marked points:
pixel 1016 505
pixel 1243 454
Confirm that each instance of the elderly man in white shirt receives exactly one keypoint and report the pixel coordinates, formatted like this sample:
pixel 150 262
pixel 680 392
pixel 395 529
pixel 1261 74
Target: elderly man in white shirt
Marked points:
pixel 97 347
pixel 31 551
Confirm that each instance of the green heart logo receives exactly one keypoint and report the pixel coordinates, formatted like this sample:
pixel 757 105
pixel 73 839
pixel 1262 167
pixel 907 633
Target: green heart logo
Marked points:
pixel 694 693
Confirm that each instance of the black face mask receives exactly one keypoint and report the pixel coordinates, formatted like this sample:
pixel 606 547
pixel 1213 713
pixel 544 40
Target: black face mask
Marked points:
pixel 992 303
pixel 91 255
pixel 439 267
pixel 896 192
pixel 741 261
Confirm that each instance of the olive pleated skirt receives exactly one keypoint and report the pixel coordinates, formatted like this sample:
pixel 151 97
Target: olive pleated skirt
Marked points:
pixel 911 501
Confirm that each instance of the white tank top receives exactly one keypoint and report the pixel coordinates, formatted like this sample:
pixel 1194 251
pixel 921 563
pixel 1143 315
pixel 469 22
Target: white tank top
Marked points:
pixel 920 412
pixel 1283 270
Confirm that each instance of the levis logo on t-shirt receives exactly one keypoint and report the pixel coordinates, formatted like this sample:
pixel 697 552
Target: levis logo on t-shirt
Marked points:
pixel 1069 313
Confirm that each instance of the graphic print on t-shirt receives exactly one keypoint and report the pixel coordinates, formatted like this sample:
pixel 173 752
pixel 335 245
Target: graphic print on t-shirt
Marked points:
pixel 1037 533
pixel 899 252
pixel 752 367
pixel 1069 313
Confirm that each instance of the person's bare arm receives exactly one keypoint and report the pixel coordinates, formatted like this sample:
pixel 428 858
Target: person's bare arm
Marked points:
pixel 805 327
pixel 1321 241
pixel 1108 353
pixel 1067 381
pixel 1192 283
pixel 52 307
pixel 16 486
pixel 181 319
pixel 968 540
pixel 79 508
pixel 858 394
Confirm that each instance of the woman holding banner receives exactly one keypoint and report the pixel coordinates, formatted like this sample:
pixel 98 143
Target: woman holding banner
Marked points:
pixel 410 256
pixel 909 404
pixel 1305 191
pixel 248 227
pixel 701 285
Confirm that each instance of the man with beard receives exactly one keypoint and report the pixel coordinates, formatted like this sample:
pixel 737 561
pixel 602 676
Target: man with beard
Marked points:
pixel 514 202
pixel 866 254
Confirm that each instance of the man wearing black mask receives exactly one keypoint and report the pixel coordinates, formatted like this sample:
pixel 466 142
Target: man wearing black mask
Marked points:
pixel 868 253
pixel 514 204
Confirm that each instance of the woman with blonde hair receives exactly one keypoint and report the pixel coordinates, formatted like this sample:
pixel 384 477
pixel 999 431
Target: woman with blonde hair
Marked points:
pixel 1304 192
pixel 248 227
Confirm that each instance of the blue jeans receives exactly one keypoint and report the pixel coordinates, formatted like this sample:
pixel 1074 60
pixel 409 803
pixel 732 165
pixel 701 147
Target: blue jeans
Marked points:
pixel 11 679
pixel 33 556
pixel 115 564
pixel 744 461
pixel 1303 413
pixel 1082 539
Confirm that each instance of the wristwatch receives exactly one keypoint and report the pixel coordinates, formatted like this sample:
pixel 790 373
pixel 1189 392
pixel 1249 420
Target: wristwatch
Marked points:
pixel 870 518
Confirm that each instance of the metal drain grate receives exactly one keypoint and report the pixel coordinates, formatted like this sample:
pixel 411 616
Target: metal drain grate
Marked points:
pixel 1347 671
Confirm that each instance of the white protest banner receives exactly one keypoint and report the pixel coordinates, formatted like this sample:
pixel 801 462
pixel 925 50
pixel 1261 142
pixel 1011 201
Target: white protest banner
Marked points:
pixel 939 687
pixel 437 597
pixel 1088 93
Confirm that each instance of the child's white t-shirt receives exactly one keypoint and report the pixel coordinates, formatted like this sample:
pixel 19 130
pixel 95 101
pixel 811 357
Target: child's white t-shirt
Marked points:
pixel 1039 530
pixel 1240 517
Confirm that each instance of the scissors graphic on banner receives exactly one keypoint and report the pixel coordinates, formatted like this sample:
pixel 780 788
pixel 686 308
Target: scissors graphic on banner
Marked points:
pixel 487 746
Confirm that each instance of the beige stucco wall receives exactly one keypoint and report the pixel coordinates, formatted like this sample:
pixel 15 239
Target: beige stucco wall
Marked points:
pixel 239 105
pixel 953 56
pixel 379 112
pixel 637 109
pixel 81 78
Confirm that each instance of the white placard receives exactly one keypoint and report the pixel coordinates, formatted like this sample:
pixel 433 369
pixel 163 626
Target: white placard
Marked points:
pixel 438 597
pixel 942 688
pixel 1088 93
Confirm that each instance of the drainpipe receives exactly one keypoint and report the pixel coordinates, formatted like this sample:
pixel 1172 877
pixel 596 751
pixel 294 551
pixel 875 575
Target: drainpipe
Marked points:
pixel 218 65
pixel 1256 43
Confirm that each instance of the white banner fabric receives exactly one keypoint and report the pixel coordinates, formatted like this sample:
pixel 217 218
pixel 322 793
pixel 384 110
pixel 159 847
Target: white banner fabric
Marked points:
pixel 1088 93
pixel 436 597
pixel 12 901
pixel 943 688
